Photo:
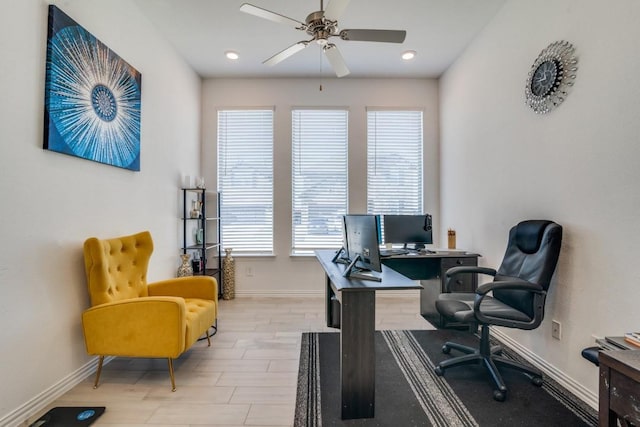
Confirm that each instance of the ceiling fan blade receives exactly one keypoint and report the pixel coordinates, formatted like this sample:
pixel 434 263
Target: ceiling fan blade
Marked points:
pixel 284 54
pixel 334 9
pixel 387 36
pixel 271 16
pixel 336 60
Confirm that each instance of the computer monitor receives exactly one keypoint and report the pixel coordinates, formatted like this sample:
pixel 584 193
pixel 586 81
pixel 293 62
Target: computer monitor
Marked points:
pixel 414 230
pixel 362 233
pixel 342 255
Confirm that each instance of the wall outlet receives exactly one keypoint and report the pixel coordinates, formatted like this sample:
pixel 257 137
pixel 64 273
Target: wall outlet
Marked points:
pixel 248 271
pixel 555 329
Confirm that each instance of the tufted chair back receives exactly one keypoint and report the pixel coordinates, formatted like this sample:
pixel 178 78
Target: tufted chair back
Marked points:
pixel 116 268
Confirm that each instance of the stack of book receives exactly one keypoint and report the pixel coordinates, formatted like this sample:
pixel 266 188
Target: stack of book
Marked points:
pixel 616 343
pixel 633 338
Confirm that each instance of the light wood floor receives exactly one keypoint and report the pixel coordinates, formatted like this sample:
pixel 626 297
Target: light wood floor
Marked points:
pixel 246 378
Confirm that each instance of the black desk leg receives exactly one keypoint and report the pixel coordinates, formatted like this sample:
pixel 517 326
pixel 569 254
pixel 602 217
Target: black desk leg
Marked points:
pixel 328 293
pixel 332 307
pixel 357 348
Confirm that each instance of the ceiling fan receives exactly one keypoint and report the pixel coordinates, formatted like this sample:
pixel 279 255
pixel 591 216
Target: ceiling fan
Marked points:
pixel 321 25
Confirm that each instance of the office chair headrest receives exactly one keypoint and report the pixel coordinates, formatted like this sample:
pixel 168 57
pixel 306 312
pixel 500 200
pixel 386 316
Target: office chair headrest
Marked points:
pixel 529 235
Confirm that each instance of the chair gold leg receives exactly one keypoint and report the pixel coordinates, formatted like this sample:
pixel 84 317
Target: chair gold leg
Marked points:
pixel 173 380
pixel 208 338
pixel 98 372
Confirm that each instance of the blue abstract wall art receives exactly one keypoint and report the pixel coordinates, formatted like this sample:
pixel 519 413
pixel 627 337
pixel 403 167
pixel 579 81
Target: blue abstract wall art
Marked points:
pixel 92 97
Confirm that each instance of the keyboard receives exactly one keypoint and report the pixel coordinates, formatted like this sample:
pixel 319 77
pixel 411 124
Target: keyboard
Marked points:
pixel 395 251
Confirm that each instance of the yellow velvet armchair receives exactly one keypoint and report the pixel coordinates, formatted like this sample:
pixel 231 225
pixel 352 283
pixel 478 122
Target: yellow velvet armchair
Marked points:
pixel 131 318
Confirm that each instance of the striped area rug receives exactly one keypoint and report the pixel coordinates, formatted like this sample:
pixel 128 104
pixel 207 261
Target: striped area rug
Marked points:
pixel 408 393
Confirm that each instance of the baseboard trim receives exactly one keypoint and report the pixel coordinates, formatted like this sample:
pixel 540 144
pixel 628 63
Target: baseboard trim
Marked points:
pixel 317 293
pixel 20 417
pixel 279 293
pixel 580 391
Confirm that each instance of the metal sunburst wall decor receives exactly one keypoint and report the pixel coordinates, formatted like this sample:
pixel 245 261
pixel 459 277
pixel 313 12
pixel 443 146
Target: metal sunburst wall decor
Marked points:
pixel 551 76
pixel 92 97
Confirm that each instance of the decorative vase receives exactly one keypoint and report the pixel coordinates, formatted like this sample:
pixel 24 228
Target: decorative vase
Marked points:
pixel 451 239
pixel 200 182
pixel 185 268
pixel 228 276
pixel 195 209
pixel 196 263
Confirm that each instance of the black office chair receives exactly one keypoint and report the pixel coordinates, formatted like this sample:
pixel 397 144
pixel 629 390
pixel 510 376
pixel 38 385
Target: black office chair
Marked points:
pixel 519 291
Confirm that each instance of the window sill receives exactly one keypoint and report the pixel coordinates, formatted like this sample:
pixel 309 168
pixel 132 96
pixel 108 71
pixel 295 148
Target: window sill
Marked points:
pixel 252 255
pixel 302 255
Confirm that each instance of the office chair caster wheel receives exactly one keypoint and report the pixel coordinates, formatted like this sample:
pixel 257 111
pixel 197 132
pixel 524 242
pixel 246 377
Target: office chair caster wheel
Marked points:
pixel 439 371
pixel 499 396
pixel 537 381
pixel 446 349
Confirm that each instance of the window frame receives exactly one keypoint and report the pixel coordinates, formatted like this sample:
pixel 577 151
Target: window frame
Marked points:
pixel 417 207
pixel 334 228
pixel 268 235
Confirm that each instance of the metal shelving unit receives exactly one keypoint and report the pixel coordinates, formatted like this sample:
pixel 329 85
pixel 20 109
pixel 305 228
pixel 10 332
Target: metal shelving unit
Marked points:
pixel 201 232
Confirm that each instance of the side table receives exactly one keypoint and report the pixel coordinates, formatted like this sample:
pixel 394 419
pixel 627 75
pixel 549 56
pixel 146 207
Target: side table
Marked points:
pixel 619 390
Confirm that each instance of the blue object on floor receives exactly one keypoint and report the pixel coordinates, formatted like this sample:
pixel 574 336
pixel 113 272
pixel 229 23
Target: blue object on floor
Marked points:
pixel 69 416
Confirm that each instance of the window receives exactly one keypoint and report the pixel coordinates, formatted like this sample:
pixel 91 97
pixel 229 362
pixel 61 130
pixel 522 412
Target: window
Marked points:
pixel 319 178
pixel 245 179
pixel 394 162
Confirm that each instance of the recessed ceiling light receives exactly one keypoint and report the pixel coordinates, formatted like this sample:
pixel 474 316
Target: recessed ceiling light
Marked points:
pixel 231 54
pixel 410 54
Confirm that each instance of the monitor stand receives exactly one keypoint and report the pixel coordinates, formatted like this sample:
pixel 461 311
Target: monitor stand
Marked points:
pixel 352 272
pixel 338 258
pixel 417 247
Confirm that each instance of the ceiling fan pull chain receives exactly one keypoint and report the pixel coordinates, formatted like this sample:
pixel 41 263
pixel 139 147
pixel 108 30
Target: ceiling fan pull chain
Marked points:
pixel 320 57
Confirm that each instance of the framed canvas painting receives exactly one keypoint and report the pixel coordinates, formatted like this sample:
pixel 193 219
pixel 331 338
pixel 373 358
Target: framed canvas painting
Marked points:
pixel 92 97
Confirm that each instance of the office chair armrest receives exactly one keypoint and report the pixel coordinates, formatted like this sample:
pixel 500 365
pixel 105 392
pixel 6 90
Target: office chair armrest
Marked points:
pixel 470 269
pixel 509 284
pixel 539 297
pixel 453 271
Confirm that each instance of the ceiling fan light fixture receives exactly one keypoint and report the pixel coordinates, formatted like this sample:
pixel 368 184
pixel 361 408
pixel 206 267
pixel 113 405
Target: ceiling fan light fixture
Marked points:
pixel 231 55
pixel 322 25
pixel 408 55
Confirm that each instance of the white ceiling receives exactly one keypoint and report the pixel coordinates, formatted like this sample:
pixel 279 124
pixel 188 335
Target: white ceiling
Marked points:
pixel 202 30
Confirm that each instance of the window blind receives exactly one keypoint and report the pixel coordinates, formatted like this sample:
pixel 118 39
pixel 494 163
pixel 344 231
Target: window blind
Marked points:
pixel 245 179
pixel 394 162
pixel 319 178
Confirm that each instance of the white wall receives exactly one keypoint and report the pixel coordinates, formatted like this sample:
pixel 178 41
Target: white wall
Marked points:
pixel 284 274
pixel 500 163
pixel 52 202
pixel 578 165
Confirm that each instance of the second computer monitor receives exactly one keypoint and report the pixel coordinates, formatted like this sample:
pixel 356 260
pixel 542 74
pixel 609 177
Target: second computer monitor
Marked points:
pixel 410 230
pixel 362 237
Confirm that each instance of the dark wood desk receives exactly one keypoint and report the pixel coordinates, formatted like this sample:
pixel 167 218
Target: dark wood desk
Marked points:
pixel 619 394
pixel 355 300
pixel 430 269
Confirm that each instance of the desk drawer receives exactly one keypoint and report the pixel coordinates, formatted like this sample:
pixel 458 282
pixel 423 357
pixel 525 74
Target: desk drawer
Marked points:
pixel 462 282
pixel 415 268
pixel 622 397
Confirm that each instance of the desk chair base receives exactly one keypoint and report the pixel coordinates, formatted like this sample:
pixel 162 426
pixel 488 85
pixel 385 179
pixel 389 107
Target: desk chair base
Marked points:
pixel 489 357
